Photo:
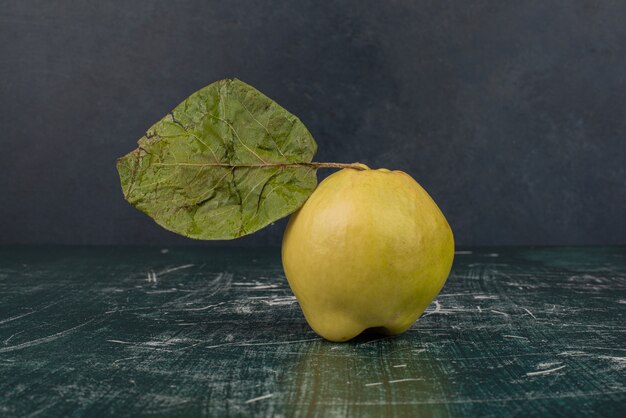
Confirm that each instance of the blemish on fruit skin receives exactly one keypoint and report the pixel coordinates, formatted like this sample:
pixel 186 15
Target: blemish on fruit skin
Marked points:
pixel 396 315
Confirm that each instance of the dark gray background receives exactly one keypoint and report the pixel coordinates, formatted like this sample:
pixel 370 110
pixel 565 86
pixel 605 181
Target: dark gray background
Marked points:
pixel 511 114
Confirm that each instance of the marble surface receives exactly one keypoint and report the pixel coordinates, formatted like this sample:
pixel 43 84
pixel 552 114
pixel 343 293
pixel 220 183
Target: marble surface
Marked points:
pixel 98 331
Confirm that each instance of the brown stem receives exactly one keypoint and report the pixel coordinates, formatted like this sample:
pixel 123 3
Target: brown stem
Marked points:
pixel 355 166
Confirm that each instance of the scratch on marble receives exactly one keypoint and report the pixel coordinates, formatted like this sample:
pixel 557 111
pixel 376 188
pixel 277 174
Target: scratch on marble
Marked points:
pixel 252 343
pixel 515 336
pixel 43 340
pixel 6 342
pixel 260 398
pixel 157 343
pixel 280 301
pixel 256 285
pixel 409 379
pixel 125 358
pixel 120 342
pixel 545 372
pixel 498 312
pixel 547 364
pixel 131 309
pixel 204 308
pixel 278 342
pixel 530 313
pixel 169 270
pixel 150 345
pixel 13 318
pixel 152 276
pixel 158 292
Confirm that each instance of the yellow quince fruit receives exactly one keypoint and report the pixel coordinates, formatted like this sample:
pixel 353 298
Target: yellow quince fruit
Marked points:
pixel 368 249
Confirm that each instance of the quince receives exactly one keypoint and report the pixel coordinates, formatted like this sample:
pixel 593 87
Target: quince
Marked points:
pixel 368 249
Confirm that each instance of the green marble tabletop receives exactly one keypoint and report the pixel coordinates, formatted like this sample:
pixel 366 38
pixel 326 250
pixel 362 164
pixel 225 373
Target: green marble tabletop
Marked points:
pixel 194 331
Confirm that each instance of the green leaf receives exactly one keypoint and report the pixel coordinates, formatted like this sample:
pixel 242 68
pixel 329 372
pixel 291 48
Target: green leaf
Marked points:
pixel 224 163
